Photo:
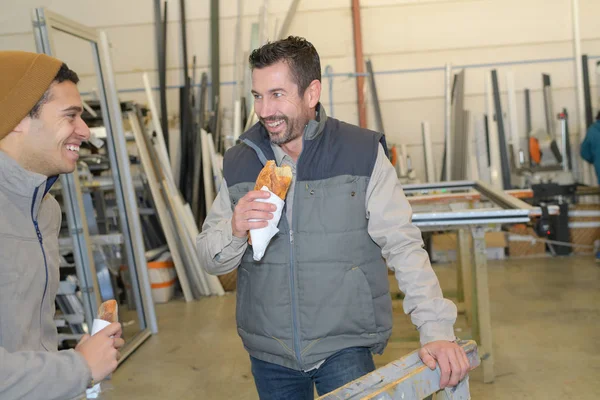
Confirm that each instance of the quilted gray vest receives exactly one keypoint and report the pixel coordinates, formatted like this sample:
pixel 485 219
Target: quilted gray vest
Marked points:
pixel 322 284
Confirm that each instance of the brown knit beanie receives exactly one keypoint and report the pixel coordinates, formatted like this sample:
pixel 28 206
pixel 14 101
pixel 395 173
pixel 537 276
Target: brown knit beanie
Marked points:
pixel 24 78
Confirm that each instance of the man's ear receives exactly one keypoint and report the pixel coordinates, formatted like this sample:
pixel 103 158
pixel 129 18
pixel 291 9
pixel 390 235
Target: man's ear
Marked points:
pixel 313 93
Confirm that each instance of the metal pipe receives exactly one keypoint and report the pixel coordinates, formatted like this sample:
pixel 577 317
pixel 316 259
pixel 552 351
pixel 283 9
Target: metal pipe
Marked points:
pixel 359 64
pixel 328 72
pixel 581 127
pixel 589 116
pixel 215 58
pixel 548 106
pixel 495 167
pixel 563 142
pixel 448 117
pixel 375 97
pixel 428 152
pixel 237 53
pixel 162 77
pixel 513 137
pixel 504 163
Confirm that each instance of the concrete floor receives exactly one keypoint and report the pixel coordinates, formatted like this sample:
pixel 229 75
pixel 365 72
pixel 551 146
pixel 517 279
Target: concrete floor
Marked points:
pixel 546 332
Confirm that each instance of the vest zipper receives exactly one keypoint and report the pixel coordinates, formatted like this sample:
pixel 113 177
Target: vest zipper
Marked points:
pixel 295 332
pixel 41 242
pixel 295 324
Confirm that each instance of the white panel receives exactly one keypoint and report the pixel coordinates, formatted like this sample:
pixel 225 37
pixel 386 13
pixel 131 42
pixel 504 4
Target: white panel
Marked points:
pixel 19 41
pixel 468 24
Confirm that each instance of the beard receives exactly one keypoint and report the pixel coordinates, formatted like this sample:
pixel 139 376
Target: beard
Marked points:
pixel 294 128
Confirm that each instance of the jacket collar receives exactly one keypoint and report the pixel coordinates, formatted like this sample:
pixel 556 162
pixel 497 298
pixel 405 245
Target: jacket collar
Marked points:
pixel 23 184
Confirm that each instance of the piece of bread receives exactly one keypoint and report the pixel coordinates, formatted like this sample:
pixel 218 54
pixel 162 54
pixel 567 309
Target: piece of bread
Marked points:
pixel 109 311
pixel 277 179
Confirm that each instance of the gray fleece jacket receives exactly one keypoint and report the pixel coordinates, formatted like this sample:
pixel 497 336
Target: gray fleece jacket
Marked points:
pixel 30 365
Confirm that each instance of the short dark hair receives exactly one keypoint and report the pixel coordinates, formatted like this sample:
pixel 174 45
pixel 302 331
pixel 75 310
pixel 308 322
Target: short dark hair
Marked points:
pixel 300 55
pixel 63 74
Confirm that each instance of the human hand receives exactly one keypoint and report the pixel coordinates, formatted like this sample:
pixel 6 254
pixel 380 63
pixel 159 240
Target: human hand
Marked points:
pixel 249 209
pixel 451 358
pixel 101 350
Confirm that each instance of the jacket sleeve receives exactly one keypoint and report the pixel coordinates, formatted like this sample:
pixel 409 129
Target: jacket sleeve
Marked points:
pixel 220 251
pixel 401 245
pixel 42 375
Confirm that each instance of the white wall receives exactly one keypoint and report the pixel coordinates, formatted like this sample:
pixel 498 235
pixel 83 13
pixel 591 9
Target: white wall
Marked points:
pixel 397 34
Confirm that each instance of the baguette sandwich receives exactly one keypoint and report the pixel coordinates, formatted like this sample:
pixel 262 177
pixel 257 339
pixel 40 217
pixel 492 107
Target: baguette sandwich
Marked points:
pixel 109 311
pixel 276 179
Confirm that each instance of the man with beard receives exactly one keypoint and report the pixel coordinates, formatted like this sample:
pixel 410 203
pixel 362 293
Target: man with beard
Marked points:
pixel 313 310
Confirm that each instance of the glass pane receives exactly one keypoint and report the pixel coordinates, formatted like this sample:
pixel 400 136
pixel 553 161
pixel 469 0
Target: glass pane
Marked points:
pixel 103 209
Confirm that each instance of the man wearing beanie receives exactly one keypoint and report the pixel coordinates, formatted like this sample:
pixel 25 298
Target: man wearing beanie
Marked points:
pixel 40 133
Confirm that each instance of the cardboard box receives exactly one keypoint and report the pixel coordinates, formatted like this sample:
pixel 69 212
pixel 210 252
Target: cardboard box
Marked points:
pixel 519 245
pixel 584 229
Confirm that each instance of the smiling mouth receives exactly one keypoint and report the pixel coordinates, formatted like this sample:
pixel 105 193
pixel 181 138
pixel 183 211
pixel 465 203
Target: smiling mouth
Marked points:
pixel 274 123
pixel 73 148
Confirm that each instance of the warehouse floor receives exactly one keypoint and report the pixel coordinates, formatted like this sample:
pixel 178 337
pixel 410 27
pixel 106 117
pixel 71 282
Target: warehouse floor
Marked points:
pixel 546 332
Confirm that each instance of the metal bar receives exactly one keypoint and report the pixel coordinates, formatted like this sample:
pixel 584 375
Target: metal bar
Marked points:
pixel 483 303
pixel 514 136
pixel 328 72
pixel 528 125
pixel 580 92
pixel 589 116
pixel 359 64
pixel 420 187
pixel 563 142
pixel 446 198
pixel 492 137
pixel 376 106
pixel 289 17
pixel 464 66
pixel 151 169
pixel 162 77
pixel 126 197
pixel 215 58
pixel 428 151
pixel 133 344
pixel 504 163
pixel 100 261
pixel 458 130
pixel 597 70
pixel 448 119
pixel 466 273
pixel 508 202
pixel 471 215
pixel 500 197
pixel 548 106
pixel 405 378
pixel 482 152
pixel 184 51
pixel 66 25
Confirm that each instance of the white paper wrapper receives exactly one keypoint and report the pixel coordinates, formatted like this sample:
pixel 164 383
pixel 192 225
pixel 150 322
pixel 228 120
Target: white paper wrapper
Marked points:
pixel 97 326
pixel 261 237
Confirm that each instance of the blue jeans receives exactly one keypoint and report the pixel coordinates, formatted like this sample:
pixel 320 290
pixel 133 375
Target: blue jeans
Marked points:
pixel 275 382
